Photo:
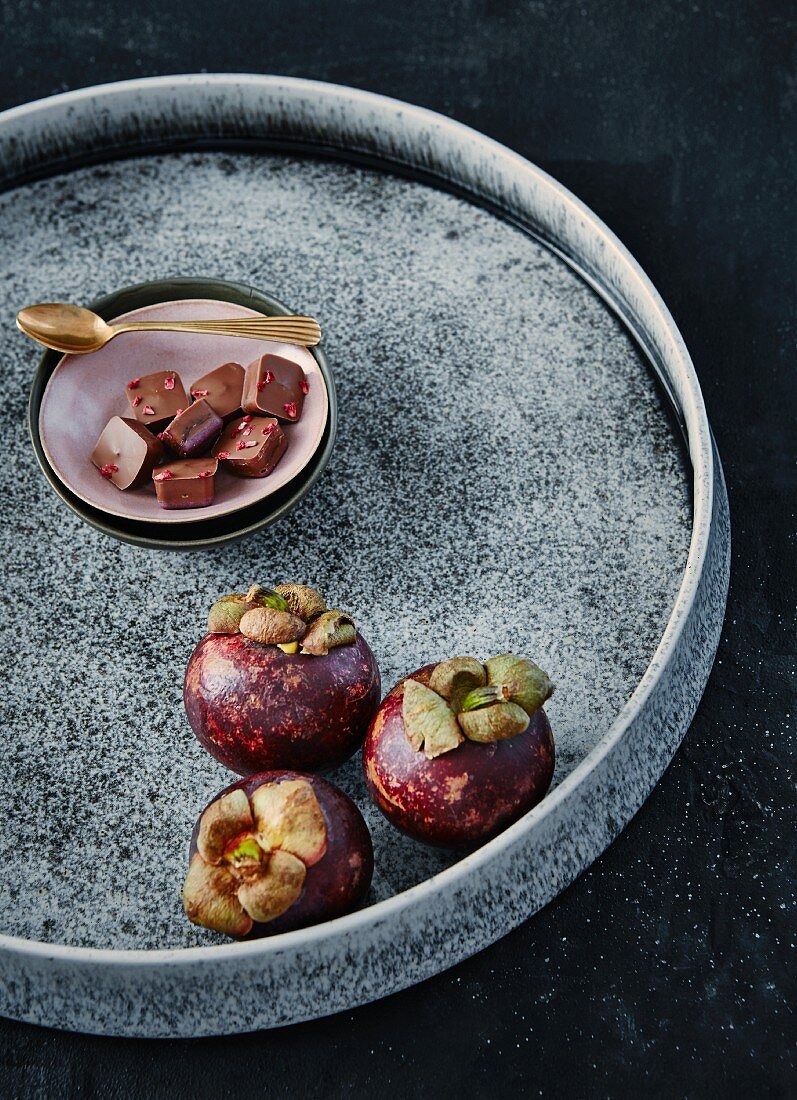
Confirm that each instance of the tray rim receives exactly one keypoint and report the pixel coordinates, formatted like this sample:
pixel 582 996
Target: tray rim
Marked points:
pixel 488 170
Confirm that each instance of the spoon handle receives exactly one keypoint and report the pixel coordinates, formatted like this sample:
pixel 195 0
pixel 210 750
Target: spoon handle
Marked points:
pixel 289 330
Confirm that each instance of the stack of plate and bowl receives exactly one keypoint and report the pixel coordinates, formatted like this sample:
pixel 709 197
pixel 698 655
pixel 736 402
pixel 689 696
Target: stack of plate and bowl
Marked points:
pixel 74 396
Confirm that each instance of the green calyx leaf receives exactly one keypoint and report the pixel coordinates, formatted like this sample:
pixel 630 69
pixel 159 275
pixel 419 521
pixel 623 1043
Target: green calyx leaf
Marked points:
pixel 498 722
pixel 455 678
pixel 524 682
pixel 328 631
pixel 302 600
pixel 225 615
pixel 429 722
pixel 485 703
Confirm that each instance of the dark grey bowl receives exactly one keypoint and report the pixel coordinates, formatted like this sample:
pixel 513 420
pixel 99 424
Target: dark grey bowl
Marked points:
pixel 202 533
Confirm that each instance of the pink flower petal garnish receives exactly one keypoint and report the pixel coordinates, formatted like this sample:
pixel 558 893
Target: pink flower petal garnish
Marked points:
pixel 148 410
pixel 199 393
pixel 205 473
pixel 164 475
pixel 137 401
pixel 242 446
pixel 268 377
pixel 305 386
pixel 223 454
pixel 133 383
pixel 168 383
pixel 290 408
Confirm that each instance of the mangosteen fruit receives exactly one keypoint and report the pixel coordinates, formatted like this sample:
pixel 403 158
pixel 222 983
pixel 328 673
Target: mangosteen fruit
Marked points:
pixel 280 681
pixel 460 750
pixel 275 852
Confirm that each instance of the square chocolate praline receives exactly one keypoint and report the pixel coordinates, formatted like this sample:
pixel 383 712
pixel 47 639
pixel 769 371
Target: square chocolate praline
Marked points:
pixel 251 447
pixel 157 398
pixel 186 483
pixel 194 430
pixel 126 452
pixel 275 387
pixel 223 388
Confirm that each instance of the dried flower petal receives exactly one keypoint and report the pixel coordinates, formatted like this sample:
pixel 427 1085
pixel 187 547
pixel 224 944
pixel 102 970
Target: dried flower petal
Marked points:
pixel 269 428
pixel 304 386
pixel 136 400
pixel 288 816
pixel 133 383
pixel 223 454
pixel 148 410
pixel 199 393
pixel 268 377
pixel 241 446
pixel 168 383
pixel 205 473
pixel 290 408
pixel 164 475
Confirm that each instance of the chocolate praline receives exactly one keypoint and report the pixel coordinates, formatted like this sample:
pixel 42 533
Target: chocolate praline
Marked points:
pixel 193 430
pixel 156 398
pixel 251 446
pixel 223 388
pixel 275 386
pixel 126 452
pixel 186 483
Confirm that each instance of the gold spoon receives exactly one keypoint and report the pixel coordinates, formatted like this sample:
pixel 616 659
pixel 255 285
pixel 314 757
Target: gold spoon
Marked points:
pixel 75 330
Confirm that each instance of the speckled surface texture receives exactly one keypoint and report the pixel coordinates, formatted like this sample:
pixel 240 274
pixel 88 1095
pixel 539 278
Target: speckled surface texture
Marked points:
pixel 504 478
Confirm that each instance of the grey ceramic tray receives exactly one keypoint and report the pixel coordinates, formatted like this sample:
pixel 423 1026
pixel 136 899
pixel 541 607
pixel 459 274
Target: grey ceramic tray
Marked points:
pixel 474 365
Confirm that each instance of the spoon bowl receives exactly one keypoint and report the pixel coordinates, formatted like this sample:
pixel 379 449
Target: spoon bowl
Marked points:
pixel 64 327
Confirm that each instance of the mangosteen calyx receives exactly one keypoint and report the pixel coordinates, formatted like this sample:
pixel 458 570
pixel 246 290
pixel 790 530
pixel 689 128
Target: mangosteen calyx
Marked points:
pixel 330 629
pixel 225 615
pixel 253 855
pixel 284 616
pixel 465 699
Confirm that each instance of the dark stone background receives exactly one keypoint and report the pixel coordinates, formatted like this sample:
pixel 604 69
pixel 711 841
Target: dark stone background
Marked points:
pixel 669 968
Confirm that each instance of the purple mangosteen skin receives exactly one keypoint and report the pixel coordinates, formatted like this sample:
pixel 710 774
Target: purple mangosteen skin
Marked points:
pixel 464 797
pixel 342 877
pixel 256 708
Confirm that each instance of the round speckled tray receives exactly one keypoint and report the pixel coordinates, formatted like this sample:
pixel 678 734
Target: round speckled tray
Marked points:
pixel 603 554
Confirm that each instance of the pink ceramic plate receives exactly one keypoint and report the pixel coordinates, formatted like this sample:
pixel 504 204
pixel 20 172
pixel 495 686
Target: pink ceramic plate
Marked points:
pixel 85 391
